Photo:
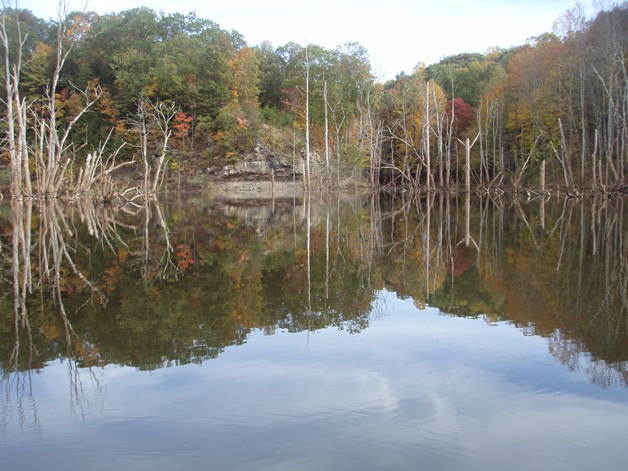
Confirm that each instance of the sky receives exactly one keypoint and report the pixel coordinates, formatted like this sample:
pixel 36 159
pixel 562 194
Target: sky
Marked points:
pixel 398 34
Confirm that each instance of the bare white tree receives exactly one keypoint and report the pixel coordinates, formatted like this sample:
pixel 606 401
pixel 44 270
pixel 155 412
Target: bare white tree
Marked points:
pixel 152 122
pixel 34 136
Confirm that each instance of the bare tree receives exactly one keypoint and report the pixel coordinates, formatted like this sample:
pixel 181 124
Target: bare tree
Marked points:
pixel 14 104
pixel 467 164
pixel 306 65
pixel 34 135
pixel 152 122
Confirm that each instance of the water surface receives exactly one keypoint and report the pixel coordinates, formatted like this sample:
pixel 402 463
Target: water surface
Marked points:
pixel 352 333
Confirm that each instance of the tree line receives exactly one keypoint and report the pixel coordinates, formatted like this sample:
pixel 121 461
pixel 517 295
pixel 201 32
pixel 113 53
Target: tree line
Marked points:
pixel 86 94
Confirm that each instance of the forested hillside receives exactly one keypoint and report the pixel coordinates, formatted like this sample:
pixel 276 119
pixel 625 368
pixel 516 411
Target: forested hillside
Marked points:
pixel 177 92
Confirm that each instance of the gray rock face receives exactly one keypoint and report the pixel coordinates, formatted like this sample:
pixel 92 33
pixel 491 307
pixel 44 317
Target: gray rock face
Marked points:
pixel 259 165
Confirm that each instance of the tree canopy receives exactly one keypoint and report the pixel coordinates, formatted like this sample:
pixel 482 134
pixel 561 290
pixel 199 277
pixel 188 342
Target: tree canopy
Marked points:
pixel 560 98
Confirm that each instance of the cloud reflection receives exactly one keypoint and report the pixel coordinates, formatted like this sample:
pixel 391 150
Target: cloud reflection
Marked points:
pixel 415 390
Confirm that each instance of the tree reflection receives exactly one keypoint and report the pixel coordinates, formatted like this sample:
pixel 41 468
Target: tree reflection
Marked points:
pixel 43 272
pixel 177 281
pixel 556 270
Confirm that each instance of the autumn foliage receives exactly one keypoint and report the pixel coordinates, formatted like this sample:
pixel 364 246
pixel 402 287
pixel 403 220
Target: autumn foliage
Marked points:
pixel 555 99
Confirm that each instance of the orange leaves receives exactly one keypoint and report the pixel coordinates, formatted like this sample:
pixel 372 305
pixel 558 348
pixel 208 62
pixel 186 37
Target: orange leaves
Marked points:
pixel 220 137
pixel 109 108
pixel 70 103
pixel 181 125
pixel 185 257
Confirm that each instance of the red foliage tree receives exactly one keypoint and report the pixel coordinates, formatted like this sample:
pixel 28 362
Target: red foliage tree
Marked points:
pixel 463 115
pixel 181 125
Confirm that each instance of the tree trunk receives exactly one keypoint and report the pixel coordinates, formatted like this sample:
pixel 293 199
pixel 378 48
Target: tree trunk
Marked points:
pixel 307 120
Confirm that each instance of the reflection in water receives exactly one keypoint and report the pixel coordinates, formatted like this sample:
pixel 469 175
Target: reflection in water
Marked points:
pixel 98 301
pixel 176 281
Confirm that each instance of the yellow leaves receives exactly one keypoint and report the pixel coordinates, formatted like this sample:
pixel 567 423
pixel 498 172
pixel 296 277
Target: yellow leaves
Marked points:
pixel 520 117
pixel 245 68
pixel 430 270
pixel 80 24
pixel 150 89
pixel 533 86
pixel 123 255
pixel 120 126
pixel 438 96
pixel 42 52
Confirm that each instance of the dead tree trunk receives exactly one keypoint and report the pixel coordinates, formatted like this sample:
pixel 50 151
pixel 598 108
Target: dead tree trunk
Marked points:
pixel 468 145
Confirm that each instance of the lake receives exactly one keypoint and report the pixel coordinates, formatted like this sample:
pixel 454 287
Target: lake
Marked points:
pixel 315 333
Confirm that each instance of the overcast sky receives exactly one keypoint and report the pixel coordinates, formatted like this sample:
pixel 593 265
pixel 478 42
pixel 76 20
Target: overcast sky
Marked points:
pixel 397 33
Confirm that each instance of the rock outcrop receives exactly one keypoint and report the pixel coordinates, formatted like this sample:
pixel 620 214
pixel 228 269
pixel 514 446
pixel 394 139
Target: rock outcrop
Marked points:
pixel 261 164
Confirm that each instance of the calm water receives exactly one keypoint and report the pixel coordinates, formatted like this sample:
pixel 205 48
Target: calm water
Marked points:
pixel 312 334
